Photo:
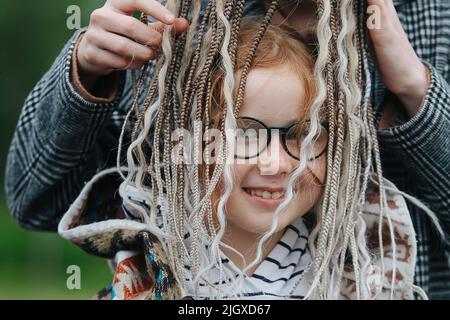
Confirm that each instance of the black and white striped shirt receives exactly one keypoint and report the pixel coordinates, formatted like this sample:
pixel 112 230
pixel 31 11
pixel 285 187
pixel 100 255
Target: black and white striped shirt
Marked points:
pixel 278 276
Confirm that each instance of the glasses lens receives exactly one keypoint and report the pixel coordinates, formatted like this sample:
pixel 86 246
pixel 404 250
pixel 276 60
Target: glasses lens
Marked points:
pixel 296 134
pixel 251 138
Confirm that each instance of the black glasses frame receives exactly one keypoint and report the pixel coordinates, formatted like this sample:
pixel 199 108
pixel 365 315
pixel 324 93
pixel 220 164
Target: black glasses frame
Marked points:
pixel 282 132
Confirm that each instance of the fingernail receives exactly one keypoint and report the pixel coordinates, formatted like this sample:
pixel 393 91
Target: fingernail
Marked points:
pixel 169 17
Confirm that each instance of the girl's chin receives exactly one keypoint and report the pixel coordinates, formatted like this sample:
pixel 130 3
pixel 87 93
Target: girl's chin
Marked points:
pixel 257 230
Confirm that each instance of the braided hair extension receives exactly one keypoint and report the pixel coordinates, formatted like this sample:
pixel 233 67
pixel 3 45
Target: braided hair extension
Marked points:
pixel 353 147
pixel 339 226
pixel 177 105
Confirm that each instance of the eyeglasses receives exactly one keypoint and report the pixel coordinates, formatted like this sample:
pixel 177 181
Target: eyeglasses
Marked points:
pixel 253 137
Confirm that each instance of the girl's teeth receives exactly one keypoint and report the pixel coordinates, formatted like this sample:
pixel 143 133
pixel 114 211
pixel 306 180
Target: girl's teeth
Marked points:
pixel 265 194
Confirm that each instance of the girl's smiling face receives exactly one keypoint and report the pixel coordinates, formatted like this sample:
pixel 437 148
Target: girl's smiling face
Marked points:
pixel 275 97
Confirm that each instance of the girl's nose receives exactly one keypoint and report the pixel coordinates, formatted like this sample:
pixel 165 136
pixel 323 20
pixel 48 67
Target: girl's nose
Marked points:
pixel 275 160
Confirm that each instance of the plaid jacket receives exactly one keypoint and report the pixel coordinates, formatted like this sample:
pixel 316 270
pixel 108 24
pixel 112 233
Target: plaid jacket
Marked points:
pixel 62 140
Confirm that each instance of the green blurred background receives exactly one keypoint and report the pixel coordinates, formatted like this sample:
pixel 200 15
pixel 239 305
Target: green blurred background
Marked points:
pixel 33 265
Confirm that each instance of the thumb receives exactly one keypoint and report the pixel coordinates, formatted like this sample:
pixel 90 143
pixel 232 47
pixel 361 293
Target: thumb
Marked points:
pixel 180 25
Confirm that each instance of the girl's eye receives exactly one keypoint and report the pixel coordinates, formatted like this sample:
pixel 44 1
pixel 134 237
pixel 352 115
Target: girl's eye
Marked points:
pixel 298 131
pixel 291 135
pixel 248 126
pixel 247 133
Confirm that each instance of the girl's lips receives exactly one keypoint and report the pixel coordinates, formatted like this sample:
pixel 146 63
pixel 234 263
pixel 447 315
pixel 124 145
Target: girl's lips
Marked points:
pixel 269 203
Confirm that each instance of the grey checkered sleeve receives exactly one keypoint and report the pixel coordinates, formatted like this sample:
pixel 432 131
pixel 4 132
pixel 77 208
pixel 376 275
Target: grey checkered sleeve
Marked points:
pixel 423 143
pixel 55 147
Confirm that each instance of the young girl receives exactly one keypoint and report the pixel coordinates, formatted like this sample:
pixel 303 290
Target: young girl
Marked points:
pixel 258 216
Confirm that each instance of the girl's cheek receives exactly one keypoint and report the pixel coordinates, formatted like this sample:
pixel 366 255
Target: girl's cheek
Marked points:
pixel 240 171
pixel 319 169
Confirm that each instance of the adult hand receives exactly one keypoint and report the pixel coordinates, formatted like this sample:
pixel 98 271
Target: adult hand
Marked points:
pixel 116 40
pixel 400 68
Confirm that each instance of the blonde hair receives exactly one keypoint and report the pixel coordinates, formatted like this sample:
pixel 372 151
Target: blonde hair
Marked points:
pixel 194 84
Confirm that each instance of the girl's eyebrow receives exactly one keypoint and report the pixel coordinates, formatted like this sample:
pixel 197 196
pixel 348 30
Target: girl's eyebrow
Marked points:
pixel 297 121
pixel 302 120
